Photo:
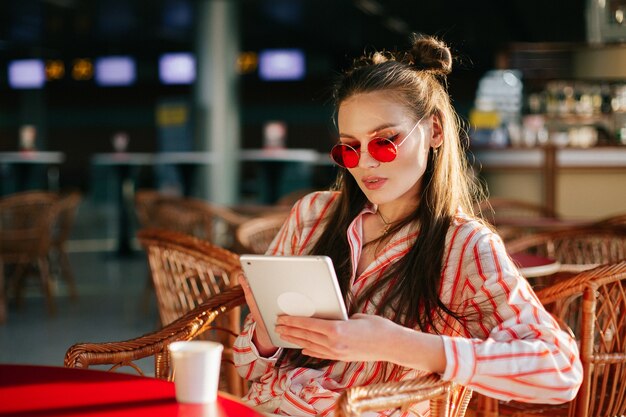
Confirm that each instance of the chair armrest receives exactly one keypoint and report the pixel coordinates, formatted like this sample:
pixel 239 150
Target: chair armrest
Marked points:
pixel 443 395
pixel 119 354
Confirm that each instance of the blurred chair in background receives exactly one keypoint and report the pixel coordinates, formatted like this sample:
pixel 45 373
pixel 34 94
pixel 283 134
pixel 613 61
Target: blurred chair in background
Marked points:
pixel 593 304
pixel 199 218
pixel 513 218
pixel 255 235
pixel 290 199
pixel 67 206
pixel 577 249
pixel 618 220
pixel 26 221
pixel 191 325
pixel 187 272
pixel 495 208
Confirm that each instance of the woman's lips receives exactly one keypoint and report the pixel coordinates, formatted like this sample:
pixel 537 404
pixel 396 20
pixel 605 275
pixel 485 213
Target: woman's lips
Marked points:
pixel 373 183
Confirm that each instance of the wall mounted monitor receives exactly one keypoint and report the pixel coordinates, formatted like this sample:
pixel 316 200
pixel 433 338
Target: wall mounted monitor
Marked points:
pixel 115 71
pixel 177 68
pixel 27 73
pixel 282 64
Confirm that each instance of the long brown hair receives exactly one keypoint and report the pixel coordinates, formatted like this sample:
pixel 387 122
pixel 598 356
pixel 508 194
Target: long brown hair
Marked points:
pixel 417 78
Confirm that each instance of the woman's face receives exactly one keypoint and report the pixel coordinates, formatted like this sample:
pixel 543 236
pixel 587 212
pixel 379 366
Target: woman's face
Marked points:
pixel 366 116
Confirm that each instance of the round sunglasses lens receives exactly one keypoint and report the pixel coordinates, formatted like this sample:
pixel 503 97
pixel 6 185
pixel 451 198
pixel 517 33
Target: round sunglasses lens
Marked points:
pixel 345 156
pixel 382 149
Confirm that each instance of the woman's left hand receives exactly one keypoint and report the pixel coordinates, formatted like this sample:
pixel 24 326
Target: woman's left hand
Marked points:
pixel 362 338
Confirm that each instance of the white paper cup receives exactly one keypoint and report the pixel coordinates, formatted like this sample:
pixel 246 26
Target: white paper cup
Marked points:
pixel 196 367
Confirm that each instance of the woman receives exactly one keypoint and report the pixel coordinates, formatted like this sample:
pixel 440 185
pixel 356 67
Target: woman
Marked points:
pixel 429 287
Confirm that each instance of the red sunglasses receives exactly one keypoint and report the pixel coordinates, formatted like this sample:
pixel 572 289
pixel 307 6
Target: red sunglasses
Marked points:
pixel 381 149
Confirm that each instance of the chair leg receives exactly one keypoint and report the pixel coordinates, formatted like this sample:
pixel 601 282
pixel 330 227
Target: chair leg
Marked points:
pixel 486 406
pixel 68 274
pixel 44 273
pixel 148 294
pixel 18 276
pixel 3 299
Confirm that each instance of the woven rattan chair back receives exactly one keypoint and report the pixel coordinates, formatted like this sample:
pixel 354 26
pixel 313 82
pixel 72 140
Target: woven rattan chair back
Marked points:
pixel 446 399
pixel 497 210
pixel 576 249
pixel 255 235
pixel 26 221
pixel 292 197
pixel 187 272
pixel 592 303
pixel 618 220
pixel 199 218
pixel 190 326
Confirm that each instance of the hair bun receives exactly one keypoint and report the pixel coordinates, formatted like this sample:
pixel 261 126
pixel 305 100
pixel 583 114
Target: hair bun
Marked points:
pixel 429 54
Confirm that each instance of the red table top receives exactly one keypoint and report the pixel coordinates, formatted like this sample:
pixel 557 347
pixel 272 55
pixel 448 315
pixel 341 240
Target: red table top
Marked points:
pixel 32 390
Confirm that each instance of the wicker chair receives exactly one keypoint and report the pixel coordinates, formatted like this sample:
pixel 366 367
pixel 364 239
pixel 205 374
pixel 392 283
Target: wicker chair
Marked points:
pixel 187 272
pixel 26 221
pixel 188 215
pixel 292 197
pixel 191 325
pixel 67 206
pixel 497 210
pixel 446 398
pixel 576 249
pixel 618 220
pixel 255 235
pixel 597 299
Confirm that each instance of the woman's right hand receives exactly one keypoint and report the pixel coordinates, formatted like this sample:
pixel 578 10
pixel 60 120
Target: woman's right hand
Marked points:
pixel 260 338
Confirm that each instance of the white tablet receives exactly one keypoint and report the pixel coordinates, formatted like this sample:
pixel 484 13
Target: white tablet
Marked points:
pixel 293 285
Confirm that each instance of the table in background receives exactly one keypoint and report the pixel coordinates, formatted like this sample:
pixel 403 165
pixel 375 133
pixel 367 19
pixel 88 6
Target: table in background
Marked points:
pixel 31 390
pixel 273 163
pixel 186 163
pixel 122 162
pixel 25 162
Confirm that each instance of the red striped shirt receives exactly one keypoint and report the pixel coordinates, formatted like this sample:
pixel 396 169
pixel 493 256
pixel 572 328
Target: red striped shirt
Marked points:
pixel 510 347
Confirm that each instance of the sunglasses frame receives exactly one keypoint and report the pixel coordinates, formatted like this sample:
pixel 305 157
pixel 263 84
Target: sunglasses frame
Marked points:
pixel 373 140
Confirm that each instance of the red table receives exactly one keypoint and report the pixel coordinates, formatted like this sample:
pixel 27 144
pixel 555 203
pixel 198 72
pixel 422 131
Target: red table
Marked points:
pixel 29 391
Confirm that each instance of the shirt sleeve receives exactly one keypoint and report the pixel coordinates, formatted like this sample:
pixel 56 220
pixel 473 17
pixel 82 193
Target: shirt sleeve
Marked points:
pixel 516 350
pixel 248 362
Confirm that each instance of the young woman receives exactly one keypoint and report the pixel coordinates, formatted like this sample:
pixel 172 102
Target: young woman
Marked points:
pixel 430 288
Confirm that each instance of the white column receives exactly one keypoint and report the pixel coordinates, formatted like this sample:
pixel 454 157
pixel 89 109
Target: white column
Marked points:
pixel 216 97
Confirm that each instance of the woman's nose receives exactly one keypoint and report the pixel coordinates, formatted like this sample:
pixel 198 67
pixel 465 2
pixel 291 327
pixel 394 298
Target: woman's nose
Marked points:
pixel 367 161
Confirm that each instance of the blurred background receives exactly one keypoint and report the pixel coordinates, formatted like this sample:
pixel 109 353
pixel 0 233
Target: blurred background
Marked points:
pixel 164 75
pixel 227 101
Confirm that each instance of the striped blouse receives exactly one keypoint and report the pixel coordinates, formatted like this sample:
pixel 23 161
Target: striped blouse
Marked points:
pixel 511 349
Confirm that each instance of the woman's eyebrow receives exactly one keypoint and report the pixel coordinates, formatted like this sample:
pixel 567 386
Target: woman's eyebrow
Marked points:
pixel 371 132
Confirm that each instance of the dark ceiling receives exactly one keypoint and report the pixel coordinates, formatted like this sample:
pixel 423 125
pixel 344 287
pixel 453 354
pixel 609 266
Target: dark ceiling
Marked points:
pixel 326 28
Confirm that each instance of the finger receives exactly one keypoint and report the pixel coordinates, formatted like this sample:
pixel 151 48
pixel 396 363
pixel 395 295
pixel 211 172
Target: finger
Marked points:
pixel 241 278
pixel 316 350
pixel 308 338
pixel 320 326
pixel 304 333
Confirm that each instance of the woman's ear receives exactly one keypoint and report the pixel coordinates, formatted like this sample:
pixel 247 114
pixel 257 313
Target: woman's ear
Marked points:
pixel 436 138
